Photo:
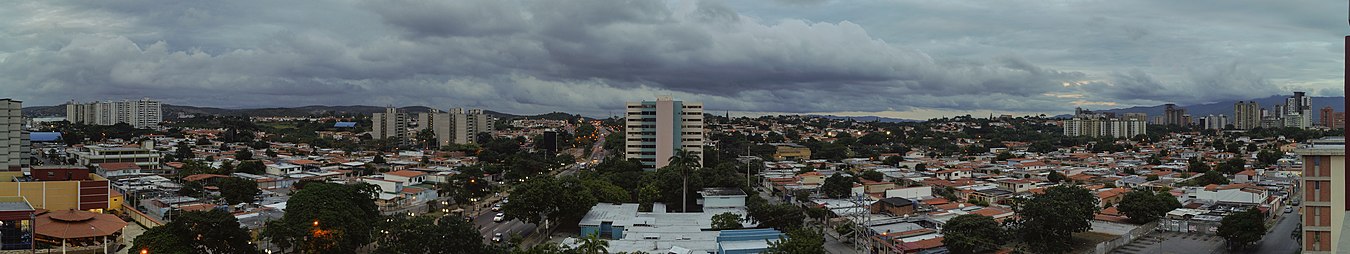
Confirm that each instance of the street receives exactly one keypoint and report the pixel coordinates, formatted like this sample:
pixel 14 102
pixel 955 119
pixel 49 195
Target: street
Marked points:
pixel 488 228
pixel 1278 239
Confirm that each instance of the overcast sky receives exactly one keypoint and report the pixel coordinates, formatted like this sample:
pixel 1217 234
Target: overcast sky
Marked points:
pixel 898 58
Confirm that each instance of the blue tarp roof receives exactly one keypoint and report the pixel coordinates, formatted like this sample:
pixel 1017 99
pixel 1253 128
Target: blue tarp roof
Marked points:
pixel 44 136
pixel 344 124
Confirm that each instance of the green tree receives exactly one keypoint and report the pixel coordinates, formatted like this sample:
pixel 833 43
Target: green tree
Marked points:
pixel 1003 156
pixel 1144 206
pixel 972 233
pixel 1056 177
pixel 184 152
pixel 379 159
pixel 1241 229
pixel 685 161
pixel 243 155
pixel 1269 157
pixel 727 220
pixel 213 231
pixel 797 241
pixel 1049 220
pixel 592 244
pixel 326 218
pixel 873 175
pixel 428 234
pixel 647 195
pixel 238 190
pixel 921 167
pixel 837 186
pixel 252 167
pixel 779 216
pixel 559 200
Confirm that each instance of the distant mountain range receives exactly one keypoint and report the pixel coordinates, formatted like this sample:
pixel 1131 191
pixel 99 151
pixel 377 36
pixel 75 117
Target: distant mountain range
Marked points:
pixel 1226 107
pixel 174 111
pixel 868 118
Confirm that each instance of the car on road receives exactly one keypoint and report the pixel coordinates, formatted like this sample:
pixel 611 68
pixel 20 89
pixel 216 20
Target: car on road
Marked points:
pixel 497 238
pixel 496 207
pixel 1288 209
pixel 499 218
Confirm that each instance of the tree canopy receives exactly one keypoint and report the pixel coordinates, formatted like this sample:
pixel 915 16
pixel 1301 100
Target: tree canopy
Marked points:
pixel 1144 206
pixel 1049 220
pixel 1241 229
pixel 972 233
pixel 212 231
pixel 798 240
pixel 727 220
pixel 327 218
pixel 238 190
pixel 837 186
pixel 427 234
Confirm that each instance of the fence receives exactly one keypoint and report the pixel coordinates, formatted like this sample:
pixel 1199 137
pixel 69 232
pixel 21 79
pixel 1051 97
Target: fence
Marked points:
pixel 1104 247
pixel 140 218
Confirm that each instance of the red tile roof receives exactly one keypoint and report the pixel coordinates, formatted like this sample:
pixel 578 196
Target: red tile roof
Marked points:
pixel 407 173
pixel 118 166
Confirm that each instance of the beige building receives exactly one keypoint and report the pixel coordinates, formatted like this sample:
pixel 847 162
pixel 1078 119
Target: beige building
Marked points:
pixel 456 126
pixel 1246 115
pixel 143 113
pixel 13 139
pixel 655 130
pixel 144 156
pixel 392 124
pixel 1323 194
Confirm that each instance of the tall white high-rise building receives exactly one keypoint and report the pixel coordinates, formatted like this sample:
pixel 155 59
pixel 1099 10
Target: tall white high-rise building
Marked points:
pixel 143 113
pixel 655 130
pixel 13 139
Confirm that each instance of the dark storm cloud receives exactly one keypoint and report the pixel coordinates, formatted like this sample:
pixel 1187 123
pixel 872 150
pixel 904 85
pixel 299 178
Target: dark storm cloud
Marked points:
pixel 590 56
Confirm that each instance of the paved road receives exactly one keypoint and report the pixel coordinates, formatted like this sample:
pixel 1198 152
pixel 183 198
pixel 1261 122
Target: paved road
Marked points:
pixel 1278 240
pixel 488 228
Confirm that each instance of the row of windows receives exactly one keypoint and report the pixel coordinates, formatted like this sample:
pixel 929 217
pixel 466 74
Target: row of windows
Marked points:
pixel 641 146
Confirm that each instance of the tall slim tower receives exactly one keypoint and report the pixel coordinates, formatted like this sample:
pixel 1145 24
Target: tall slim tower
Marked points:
pixel 13 140
pixel 1323 195
pixel 656 129
pixel 1246 115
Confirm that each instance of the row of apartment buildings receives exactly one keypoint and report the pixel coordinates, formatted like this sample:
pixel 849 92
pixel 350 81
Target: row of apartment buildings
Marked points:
pixel 456 126
pixel 143 113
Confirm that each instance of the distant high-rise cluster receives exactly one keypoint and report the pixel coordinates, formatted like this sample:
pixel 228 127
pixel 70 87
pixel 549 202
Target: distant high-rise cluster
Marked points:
pixel 456 126
pixel 1214 122
pixel 1174 115
pixel 13 139
pixel 656 129
pixel 1295 112
pixel 1331 119
pixel 143 113
pixel 1088 123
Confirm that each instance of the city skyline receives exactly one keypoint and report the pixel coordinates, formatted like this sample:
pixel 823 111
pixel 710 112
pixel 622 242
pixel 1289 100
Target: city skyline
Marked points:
pixel 899 59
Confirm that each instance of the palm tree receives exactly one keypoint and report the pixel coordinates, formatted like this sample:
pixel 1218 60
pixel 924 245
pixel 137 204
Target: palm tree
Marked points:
pixel 684 160
pixel 593 245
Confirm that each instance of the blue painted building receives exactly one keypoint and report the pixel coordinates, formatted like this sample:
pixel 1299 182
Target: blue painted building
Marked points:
pixel 746 241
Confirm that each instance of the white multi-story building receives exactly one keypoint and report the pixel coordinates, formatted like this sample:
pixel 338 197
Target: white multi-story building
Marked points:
pixel 655 130
pixel 1085 123
pixel 144 113
pixel 1214 122
pixel 13 139
pixel 456 126
pixel 144 156
pixel 392 124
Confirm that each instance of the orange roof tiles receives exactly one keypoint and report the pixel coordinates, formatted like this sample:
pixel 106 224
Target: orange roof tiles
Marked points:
pixel 407 173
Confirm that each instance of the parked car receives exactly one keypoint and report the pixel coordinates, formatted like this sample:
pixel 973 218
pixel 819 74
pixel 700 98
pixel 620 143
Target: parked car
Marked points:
pixel 499 217
pixel 497 237
pixel 1288 209
pixel 497 207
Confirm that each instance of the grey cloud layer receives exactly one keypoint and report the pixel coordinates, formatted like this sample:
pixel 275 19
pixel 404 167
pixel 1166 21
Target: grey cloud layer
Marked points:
pixel 528 56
